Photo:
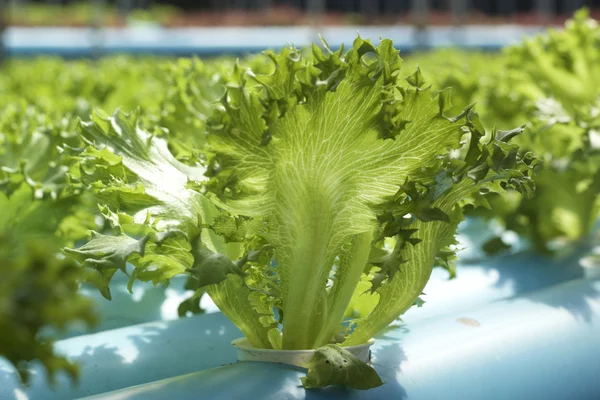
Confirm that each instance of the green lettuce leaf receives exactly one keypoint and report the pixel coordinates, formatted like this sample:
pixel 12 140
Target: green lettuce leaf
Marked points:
pixel 161 223
pixel 333 365
pixel 193 88
pixel 324 179
pixel 316 151
pixel 39 288
pixel 549 82
pixel 331 156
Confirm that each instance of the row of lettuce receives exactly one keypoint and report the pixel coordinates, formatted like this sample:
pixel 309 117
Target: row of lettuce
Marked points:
pixel 308 193
pixel 549 83
pixel 44 205
pixel 86 13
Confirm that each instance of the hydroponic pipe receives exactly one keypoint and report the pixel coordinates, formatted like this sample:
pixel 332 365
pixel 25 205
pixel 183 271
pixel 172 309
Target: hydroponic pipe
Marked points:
pixel 129 356
pixel 496 278
pixel 147 303
pixel 540 346
pixel 108 361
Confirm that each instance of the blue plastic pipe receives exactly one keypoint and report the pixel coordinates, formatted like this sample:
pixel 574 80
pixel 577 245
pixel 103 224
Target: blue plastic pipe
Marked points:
pixel 144 353
pixel 147 303
pixel 497 278
pixel 210 41
pixel 129 356
pixel 540 346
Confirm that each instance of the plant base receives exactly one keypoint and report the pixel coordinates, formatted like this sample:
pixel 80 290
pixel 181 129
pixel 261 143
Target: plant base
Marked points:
pixel 298 358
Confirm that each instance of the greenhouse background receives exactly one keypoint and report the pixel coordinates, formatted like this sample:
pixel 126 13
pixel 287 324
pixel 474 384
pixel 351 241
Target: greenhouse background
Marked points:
pixel 71 28
pixel 299 199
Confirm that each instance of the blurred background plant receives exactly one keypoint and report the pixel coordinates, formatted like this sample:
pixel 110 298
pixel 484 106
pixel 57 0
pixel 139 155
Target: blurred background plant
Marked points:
pixel 550 83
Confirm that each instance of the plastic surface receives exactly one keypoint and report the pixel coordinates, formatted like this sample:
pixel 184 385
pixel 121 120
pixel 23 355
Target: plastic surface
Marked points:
pixel 542 346
pixel 497 278
pixel 298 358
pixel 140 354
pixel 77 42
pixel 473 233
pixel 129 356
pixel 591 264
pixel 147 303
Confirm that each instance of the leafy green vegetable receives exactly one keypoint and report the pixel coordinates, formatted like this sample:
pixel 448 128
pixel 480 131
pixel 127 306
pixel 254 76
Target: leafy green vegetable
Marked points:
pixel 39 288
pixel 325 178
pixel 43 198
pixel 193 88
pixel 29 151
pixel 162 222
pixel 560 71
pixel 334 365
pixel 40 213
pixel 468 73
pixel 549 82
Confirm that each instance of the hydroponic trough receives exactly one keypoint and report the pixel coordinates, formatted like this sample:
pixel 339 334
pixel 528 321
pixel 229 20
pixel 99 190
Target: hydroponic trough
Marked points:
pixel 509 303
pixel 533 346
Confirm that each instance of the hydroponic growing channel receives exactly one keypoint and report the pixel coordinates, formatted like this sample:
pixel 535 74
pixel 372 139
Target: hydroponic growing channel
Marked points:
pixel 358 225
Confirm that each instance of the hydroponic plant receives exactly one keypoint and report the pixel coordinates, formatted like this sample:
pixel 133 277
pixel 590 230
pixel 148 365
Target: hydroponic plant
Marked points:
pixel 469 74
pixel 548 82
pixel 39 287
pixel 43 210
pixel 554 79
pixel 322 182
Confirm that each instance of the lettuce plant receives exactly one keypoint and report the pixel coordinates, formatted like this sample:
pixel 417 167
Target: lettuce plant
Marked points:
pixel 328 192
pixel 553 82
pixel 192 89
pixel 549 82
pixel 467 72
pixel 561 73
pixel 38 287
pixel 43 210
